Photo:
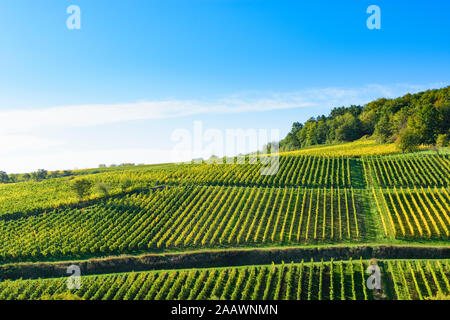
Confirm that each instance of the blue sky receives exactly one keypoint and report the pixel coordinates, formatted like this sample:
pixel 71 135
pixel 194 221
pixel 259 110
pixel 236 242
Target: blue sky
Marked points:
pixel 116 90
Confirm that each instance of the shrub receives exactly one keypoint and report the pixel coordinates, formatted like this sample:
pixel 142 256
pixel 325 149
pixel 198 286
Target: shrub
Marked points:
pixel 442 140
pixel 408 141
pixel 103 188
pixel 81 187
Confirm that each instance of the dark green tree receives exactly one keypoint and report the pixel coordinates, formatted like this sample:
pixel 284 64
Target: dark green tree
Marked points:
pixel 81 187
pixel 383 128
pixel 13 178
pixel 4 178
pixel 350 128
pixel 426 123
pixel 408 140
pixel 39 175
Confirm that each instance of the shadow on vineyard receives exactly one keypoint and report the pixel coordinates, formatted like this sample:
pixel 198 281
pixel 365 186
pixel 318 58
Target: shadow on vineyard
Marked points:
pixel 217 258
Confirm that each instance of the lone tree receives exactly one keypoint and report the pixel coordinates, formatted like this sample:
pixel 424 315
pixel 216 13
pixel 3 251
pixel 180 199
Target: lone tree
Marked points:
pixel 39 175
pixel 82 188
pixel 13 178
pixel 4 178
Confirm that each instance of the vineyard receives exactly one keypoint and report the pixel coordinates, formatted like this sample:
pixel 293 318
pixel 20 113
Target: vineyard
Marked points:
pixel 407 171
pixel 219 159
pixel 293 171
pixel 317 198
pixel 310 200
pixel 414 213
pixel 182 217
pixel 332 280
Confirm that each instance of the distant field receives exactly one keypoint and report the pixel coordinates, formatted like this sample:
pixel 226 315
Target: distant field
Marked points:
pixel 358 148
pixel 335 280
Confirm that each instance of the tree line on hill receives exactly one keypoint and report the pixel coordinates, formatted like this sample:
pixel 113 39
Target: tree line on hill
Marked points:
pixel 411 120
pixel 42 174
pixel 38 175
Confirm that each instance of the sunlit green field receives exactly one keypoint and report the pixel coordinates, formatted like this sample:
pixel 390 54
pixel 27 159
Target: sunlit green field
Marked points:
pixel 357 196
pixel 335 280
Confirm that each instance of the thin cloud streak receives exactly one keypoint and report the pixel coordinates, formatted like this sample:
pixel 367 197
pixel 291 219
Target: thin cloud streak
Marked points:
pixel 94 115
pixel 18 121
pixel 24 146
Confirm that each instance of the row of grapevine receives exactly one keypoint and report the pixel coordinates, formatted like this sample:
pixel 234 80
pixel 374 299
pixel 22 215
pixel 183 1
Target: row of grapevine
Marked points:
pixel 24 198
pixel 414 213
pixel 292 171
pixel 27 197
pixel 417 280
pixel 184 217
pixel 329 280
pixel 407 171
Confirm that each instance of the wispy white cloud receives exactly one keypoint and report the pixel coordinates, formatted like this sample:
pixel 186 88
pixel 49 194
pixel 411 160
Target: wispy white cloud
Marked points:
pixel 335 96
pixel 23 146
pixel 98 114
pixel 17 121
pixel 14 143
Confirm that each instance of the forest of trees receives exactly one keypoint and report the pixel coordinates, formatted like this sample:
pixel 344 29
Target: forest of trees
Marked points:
pixel 411 120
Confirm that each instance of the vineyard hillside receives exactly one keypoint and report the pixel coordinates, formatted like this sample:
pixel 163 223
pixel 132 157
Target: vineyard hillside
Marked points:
pixel 353 194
